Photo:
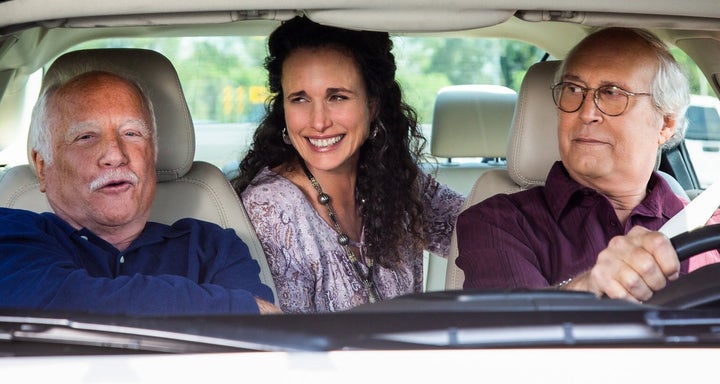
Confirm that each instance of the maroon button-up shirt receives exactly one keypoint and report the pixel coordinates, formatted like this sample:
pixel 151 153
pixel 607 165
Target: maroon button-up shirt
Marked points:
pixel 544 235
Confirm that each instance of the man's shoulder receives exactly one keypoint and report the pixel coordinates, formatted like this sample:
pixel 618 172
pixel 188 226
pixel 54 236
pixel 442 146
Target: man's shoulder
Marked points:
pixel 14 214
pixel 14 220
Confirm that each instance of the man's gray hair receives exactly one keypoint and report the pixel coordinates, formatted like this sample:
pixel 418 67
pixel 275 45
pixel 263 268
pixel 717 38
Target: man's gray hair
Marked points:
pixel 670 87
pixel 41 133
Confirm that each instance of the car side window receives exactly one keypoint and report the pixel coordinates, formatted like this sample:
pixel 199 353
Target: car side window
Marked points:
pixel 703 137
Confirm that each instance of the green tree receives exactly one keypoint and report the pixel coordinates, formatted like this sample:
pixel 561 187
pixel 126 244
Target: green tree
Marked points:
pixel 698 82
pixel 427 64
pixel 515 59
pixel 206 66
pixel 467 61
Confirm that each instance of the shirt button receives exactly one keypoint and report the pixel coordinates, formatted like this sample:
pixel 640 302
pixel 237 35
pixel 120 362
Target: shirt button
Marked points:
pixel 83 237
pixel 122 259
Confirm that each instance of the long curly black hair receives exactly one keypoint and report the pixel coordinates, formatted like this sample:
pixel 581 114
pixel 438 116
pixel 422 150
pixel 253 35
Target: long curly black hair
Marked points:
pixel 388 166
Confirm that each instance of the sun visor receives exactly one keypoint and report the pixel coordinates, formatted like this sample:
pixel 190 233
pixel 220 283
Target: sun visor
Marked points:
pixel 423 19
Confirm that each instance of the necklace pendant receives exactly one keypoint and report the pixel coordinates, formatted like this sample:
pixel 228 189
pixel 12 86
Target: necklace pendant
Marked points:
pixel 371 291
pixel 343 239
pixel 324 198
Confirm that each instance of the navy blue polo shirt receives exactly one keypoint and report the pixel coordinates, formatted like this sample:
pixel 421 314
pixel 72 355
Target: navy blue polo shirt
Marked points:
pixel 189 267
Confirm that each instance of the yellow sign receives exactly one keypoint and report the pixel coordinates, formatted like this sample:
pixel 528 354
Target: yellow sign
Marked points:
pixel 258 94
pixel 227 97
pixel 240 93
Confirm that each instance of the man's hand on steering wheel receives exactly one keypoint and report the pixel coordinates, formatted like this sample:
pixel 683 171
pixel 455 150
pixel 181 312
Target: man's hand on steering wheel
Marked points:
pixel 632 267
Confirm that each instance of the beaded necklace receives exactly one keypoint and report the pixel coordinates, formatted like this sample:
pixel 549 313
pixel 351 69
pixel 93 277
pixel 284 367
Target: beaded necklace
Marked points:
pixel 344 241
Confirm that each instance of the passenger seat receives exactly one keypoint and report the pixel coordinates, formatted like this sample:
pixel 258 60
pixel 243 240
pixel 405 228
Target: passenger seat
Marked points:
pixel 469 122
pixel 186 188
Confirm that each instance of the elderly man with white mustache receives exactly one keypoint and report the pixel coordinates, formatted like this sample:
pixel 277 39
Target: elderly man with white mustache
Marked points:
pixel 94 146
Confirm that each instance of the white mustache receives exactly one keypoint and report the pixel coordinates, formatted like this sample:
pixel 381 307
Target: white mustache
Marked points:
pixel 114 176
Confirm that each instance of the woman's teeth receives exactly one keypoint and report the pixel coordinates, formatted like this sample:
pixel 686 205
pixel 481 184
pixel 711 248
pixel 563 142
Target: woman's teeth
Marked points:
pixel 325 142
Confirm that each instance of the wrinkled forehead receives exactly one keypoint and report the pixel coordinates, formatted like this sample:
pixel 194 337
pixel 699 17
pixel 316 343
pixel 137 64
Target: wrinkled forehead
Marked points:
pixel 88 84
pixel 96 88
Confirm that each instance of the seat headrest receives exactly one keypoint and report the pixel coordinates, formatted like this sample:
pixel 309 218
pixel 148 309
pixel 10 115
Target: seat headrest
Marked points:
pixel 533 144
pixel 472 121
pixel 157 76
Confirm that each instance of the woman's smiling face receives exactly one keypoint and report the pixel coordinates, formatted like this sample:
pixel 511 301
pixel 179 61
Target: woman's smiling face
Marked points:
pixel 327 110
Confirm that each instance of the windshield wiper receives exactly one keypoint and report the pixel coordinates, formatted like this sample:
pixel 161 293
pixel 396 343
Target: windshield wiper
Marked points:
pixel 150 335
pixel 445 320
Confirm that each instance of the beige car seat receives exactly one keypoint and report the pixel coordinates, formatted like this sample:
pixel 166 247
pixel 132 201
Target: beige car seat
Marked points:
pixel 532 150
pixel 469 122
pixel 186 188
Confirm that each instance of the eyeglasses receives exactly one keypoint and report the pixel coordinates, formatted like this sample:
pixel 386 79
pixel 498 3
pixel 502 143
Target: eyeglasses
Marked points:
pixel 609 99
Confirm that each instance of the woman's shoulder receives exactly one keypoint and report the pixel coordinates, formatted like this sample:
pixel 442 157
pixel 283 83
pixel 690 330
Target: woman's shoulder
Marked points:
pixel 433 189
pixel 269 187
pixel 267 182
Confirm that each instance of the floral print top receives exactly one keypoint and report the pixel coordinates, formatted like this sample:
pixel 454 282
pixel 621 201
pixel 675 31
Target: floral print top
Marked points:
pixel 311 270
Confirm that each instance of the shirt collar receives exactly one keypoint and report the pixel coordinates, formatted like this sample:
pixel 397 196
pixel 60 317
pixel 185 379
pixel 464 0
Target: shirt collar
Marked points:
pixel 561 190
pixel 152 233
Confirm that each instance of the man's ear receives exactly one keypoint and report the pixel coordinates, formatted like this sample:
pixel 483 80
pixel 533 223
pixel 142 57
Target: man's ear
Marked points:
pixel 668 129
pixel 39 163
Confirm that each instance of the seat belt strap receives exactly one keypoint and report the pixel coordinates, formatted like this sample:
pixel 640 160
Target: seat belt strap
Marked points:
pixel 696 214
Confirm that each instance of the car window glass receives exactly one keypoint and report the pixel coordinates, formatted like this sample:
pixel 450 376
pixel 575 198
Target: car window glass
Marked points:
pixel 225 83
pixel 703 137
pixel 225 86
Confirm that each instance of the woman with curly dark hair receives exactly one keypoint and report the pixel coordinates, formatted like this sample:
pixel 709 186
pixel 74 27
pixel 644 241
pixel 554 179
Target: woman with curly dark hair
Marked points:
pixel 332 182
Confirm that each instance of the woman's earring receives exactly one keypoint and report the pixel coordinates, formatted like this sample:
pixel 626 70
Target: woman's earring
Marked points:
pixel 285 137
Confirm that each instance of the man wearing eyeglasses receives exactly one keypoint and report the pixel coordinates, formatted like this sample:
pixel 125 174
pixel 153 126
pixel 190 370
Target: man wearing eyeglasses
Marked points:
pixel 621 96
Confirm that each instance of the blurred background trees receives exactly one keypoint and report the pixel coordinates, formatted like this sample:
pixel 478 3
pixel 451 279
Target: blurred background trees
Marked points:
pixel 224 79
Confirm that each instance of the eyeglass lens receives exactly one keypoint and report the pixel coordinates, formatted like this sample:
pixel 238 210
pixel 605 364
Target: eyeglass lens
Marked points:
pixel 610 100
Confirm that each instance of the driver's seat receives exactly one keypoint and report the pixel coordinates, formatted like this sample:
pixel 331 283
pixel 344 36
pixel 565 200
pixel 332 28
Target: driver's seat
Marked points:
pixel 532 150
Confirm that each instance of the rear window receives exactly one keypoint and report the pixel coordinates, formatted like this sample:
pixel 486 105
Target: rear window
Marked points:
pixel 225 86
pixel 225 83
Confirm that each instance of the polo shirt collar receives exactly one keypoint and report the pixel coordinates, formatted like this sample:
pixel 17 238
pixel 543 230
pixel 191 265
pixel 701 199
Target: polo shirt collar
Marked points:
pixel 561 191
pixel 153 233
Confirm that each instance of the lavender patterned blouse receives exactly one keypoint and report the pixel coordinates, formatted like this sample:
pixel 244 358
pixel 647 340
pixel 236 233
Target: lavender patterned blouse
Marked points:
pixel 311 270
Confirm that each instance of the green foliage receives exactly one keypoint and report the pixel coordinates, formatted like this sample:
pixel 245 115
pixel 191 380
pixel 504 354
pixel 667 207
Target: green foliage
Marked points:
pixel 217 73
pixel 419 91
pixel 224 79
pixel 427 64
pixel 698 82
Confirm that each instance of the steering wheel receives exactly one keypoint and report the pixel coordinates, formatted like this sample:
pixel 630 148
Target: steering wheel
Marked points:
pixel 702 286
